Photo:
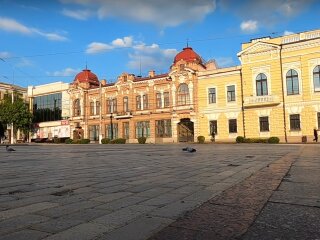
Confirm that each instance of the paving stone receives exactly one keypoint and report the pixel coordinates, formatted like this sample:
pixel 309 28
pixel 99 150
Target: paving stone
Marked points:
pixel 67 209
pixel 20 222
pixel 121 203
pixel 123 216
pixel 26 210
pixel 140 229
pixel 25 234
pixel 85 231
pixel 111 197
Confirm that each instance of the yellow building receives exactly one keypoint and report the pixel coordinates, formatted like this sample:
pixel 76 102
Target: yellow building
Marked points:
pixel 277 90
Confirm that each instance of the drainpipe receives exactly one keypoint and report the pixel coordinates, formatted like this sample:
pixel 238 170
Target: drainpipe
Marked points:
pixel 283 98
pixel 242 105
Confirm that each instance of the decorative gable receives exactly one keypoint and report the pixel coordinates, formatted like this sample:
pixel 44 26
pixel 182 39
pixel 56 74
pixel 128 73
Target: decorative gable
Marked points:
pixel 259 48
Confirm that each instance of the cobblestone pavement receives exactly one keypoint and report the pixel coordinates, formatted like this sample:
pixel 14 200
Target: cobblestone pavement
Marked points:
pixel 138 192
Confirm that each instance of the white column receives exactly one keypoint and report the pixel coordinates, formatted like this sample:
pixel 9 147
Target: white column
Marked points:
pixel 141 101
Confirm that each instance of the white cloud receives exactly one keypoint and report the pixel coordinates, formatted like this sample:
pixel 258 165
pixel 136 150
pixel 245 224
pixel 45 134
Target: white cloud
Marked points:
pixel 79 14
pixel 97 47
pixel 67 72
pixel 287 33
pixel 11 25
pixel 164 13
pixel 249 26
pixel 5 54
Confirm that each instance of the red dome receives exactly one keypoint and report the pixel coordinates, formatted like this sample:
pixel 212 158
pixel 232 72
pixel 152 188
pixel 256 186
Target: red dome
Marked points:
pixel 87 76
pixel 188 55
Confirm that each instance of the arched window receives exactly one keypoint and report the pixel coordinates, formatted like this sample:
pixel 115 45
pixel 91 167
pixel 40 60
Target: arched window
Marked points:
pixel 316 78
pixel 183 94
pixel 76 108
pixel 292 82
pixel 261 85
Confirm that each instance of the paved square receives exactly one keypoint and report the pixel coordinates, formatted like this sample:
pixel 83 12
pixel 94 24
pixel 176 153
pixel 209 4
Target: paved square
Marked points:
pixel 116 191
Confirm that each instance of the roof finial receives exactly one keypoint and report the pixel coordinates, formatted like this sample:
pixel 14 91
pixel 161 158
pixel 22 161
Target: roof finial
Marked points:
pixel 187 42
pixel 86 65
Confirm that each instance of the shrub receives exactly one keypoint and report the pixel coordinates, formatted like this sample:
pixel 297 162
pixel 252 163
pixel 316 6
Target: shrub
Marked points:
pixel 68 141
pixel 273 140
pixel 118 141
pixel 240 139
pixel 105 140
pixel 201 139
pixel 81 141
pixel 142 140
pixel 56 140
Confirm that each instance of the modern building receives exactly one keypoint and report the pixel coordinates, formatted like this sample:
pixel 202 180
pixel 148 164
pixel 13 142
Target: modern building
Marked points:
pixel 50 106
pixel 275 91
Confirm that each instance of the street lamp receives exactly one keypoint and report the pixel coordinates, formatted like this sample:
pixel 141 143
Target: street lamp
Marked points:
pixel 100 114
pixel 111 125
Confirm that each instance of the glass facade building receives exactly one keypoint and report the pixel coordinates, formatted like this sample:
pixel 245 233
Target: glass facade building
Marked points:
pixel 47 108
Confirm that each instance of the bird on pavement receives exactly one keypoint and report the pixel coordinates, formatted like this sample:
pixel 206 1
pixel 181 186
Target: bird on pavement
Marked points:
pixel 9 149
pixel 189 149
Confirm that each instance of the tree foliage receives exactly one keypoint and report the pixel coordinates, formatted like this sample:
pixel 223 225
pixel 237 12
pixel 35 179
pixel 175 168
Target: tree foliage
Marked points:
pixel 16 113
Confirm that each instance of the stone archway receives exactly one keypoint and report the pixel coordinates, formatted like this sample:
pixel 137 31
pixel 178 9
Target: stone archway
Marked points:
pixel 185 130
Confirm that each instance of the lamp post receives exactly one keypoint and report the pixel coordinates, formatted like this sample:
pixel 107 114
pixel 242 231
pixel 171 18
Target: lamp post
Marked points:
pixel 111 125
pixel 12 100
pixel 100 114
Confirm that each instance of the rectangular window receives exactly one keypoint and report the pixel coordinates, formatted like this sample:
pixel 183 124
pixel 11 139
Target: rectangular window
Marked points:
pixel 318 120
pixel 163 128
pixel 212 95
pixel 166 99
pixel 264 124
pixel 114 133
pixel 138 102
pixel 213 127
pixel 91 108
pixel 125 104
pixel 232 125
pixel 49 107
pixel 125 130
pixel 231 93
pixel 295 122
pixel 145 101
pixel 94 132
pixel 143 129
pixel 114 105
pixel 97 107
pixel 158 100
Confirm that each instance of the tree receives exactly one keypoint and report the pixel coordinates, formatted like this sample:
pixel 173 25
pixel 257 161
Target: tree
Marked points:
pixel 16 113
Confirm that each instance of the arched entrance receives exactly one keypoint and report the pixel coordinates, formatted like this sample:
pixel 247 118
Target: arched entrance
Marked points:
pixel 185 130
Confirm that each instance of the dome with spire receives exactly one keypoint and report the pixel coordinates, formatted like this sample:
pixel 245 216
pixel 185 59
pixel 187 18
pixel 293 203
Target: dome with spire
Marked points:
pixel 188 55
pixel 86 76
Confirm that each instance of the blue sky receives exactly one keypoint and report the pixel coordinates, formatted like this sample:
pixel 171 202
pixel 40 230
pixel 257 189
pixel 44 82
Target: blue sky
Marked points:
pixel 47 41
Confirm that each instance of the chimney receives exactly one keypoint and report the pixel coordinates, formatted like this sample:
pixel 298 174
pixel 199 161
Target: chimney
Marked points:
pixel 152 73
pixel 103 82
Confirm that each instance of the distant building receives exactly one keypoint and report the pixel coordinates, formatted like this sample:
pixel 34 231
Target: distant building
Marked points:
pixel 50 106
pixel 9 89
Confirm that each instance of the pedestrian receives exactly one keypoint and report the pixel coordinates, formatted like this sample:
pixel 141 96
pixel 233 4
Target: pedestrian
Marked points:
pixel 315 133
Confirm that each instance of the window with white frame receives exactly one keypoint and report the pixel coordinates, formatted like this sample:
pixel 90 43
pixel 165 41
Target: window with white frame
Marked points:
pixel 163 128
pixel 145 101
pixel 264 124
pixel 166 99
pixel 295 122
pixel 138 102
pixel 91 108
pixel 158 100
pixel 292 81
pixel 97 107
pixel 233 126
pixel 212 95
pixel 316 78
pixel 213 127
pixel 183 94
pixel 318 115
pixel 143 129
pixel 261 85
pixel 231 93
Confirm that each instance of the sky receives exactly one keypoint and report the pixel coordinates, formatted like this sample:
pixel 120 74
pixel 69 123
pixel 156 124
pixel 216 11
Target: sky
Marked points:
pixel 45 41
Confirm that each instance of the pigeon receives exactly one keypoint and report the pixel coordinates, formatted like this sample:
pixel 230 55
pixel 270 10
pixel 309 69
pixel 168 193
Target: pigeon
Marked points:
pixel 189 149
pixel 9 149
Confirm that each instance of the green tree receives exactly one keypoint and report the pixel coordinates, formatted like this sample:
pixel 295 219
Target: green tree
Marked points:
pixel 16 113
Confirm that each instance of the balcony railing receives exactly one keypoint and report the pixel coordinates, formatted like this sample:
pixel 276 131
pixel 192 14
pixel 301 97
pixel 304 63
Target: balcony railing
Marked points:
pixel 256 101
pixel 122 115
